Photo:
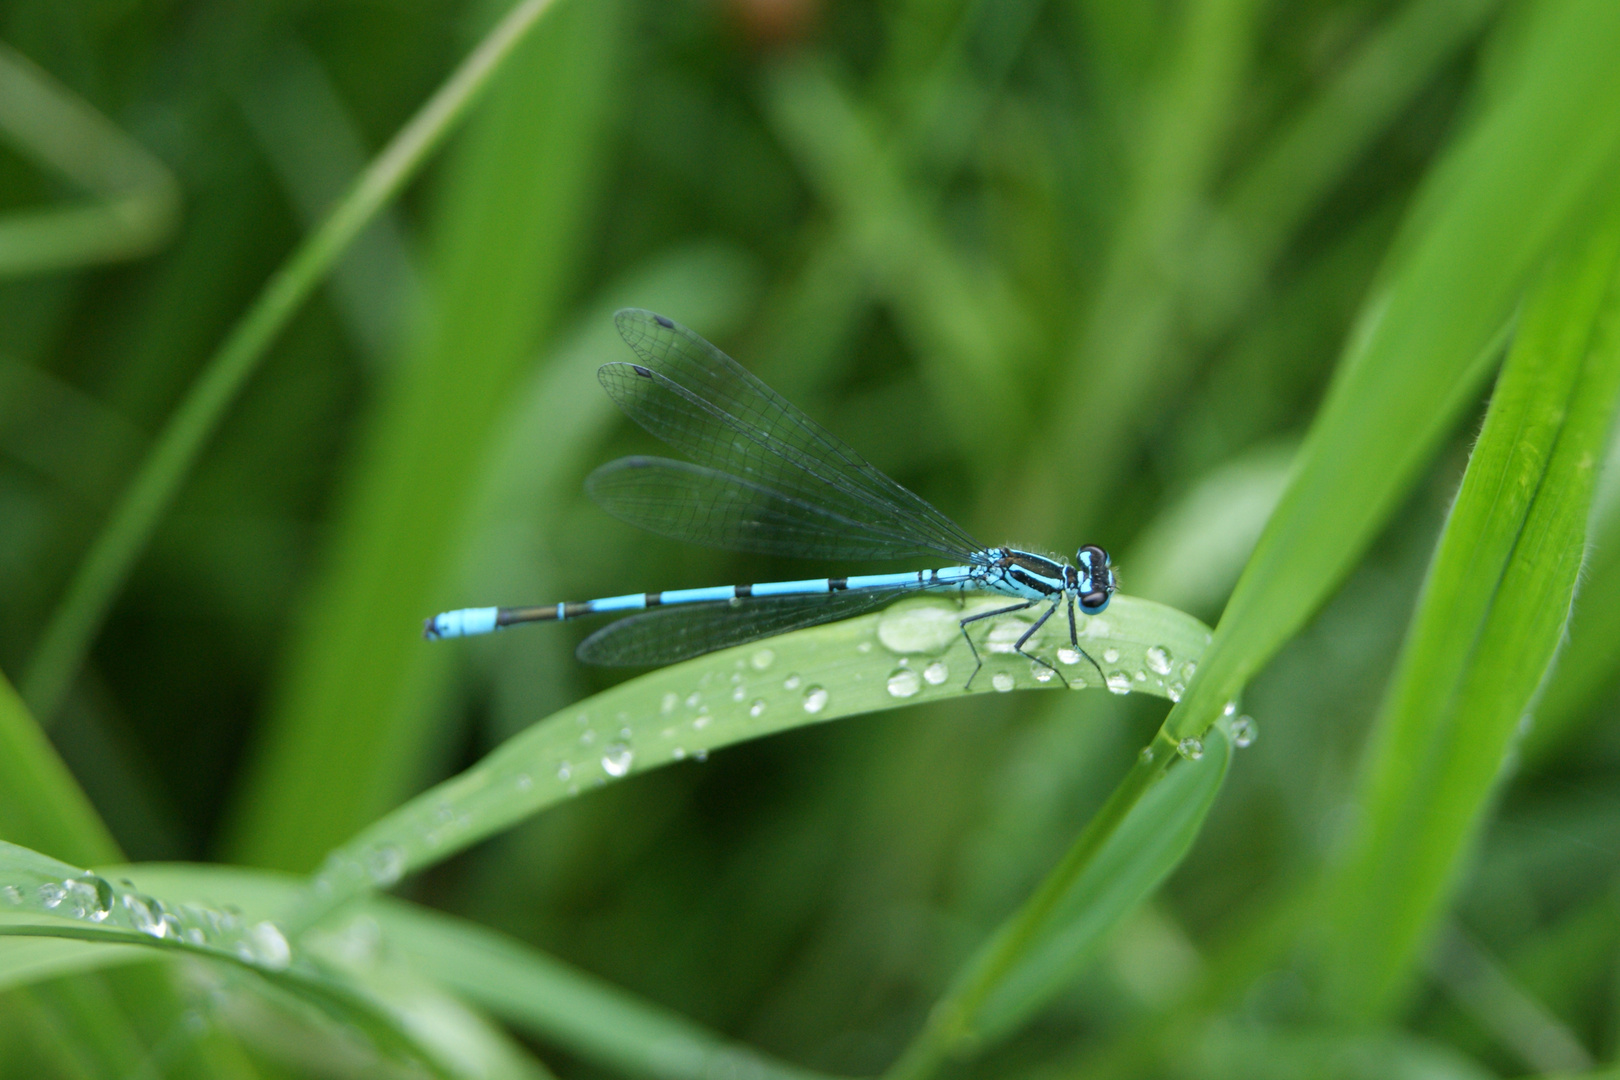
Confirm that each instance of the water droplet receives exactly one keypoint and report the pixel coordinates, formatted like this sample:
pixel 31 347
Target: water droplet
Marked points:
pixel 757 709
pixel 1188 670
pixel 701 755
pixel 864 647
pixel 762 659
pixel 1119 682
pixel 267 946
pixel 1068 656
pixel 700 722
pixel 815 699
pixel 146 915
pixel 616 758
pixel 936 673
pixel 1244 731
pixel 1042 673
pixel 903 682
pixel 678 753
pixel 694 699
pixel 587 737
pixel 1139 676
pixel 1003 682
pixel 565 772
pixel 1174 691
pixel 1004 635
pixel 1231 708
pixel 1190 748
pixel 11 894
pixel 671 699
pixel 385 864
pixel 1146 756
pixel 790 683
pixel 523 782
pixel 920 626
pixel 52 894
pixel 739 693
pixel 1158 658
pixel 1110 656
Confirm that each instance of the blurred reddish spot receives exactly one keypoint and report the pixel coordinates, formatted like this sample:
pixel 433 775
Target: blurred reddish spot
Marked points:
pixel 772 24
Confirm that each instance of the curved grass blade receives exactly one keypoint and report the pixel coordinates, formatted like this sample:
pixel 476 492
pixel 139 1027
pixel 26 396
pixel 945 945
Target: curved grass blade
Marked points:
pixel 911 653
pixel 1490 620
pixel 76 620
pixel 46 898
pixel 1487 217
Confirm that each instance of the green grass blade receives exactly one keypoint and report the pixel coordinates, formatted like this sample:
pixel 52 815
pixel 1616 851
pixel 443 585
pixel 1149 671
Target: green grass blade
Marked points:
pixel 74 624
pixel 136 199
pixel 41 804
pixel 360 686
pixel 1483 224
pixel 913 652
pixel 1132 843
pixel 1491 617
pixel 41 897
pixel 560 1004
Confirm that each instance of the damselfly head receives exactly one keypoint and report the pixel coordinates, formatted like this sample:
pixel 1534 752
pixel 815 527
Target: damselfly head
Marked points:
pixel 1099 581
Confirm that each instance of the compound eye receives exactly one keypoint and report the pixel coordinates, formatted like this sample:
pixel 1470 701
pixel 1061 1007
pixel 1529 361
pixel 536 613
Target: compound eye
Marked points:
pixel 1093 556
pixel 1095 600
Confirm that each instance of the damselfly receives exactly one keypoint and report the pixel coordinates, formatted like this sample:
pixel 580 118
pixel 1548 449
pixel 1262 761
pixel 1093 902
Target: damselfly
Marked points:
pixel 766 478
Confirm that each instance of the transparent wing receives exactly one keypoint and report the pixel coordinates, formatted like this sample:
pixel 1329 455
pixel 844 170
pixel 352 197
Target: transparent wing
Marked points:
pixel 672 634
pixel 700 401
pixel 701 505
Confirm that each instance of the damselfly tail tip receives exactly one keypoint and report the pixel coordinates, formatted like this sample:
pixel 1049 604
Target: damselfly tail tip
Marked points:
pixel 430 629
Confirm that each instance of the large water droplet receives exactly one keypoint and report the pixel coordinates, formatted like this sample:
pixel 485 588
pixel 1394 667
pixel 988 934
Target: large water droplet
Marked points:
pixel 1110 656
pixel 1003 682
pixel 1041 672
pixel 936 673
pixel 616 758
pixel 147 915
pixel 1191 748
pixel 762 659
pixel 1004 635
pixel 1068 656
pixel 757 709
pixel 1244 731
pixel 815 699
pixel 1158 659
pixel 903 682
pixel 1119 682
pixel 918 627
pixel 267 946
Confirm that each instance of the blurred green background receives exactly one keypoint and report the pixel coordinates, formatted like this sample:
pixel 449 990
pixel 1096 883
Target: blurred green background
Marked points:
pixel 1077 271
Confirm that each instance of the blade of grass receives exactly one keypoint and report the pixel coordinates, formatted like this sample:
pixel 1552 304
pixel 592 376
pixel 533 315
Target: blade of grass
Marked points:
pixel 41 804
pixel 1484 221
pixel 137 202
pixel 74 624
pixel 47 898
pixel 913 652
pixel 555 1002
pixel 1491 618
pixel 360 685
